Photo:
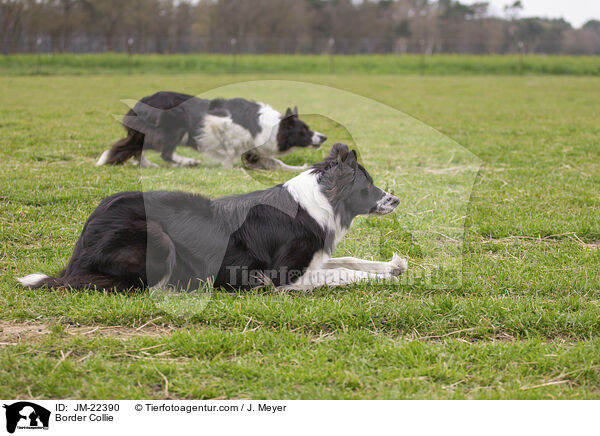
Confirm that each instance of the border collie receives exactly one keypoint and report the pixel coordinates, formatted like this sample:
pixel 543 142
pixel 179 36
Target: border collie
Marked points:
pixel 224 130
pixel 283 235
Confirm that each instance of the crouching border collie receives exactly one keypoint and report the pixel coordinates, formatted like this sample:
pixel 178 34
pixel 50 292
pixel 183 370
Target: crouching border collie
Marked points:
pixel 283 235
pixel 224 130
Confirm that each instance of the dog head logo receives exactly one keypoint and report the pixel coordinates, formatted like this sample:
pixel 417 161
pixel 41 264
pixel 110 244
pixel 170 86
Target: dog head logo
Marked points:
pixel 26 415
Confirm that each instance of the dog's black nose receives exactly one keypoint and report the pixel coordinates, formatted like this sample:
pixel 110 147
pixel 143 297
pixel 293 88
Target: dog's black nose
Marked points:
pixel 322 138
pixel 393 200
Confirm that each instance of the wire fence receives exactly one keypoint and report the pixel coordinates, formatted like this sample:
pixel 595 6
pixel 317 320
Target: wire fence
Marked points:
pixel 302 45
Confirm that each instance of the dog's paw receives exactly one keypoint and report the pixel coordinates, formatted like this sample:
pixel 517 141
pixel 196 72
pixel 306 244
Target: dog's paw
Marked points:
pixel 187 162
pixel 292 167
pixel 398 265
pixel 147 164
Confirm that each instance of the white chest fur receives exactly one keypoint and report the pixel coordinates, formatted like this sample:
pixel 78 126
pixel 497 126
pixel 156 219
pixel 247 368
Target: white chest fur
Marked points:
pixel 266 140
pixel 225 141
pixel 305 189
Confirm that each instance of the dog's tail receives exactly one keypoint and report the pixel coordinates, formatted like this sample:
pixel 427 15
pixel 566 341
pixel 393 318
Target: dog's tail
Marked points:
pixel 98 281
pixel 120 151
pixel 37 280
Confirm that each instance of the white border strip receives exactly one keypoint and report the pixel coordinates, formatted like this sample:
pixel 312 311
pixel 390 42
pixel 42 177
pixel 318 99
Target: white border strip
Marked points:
pixel 244 417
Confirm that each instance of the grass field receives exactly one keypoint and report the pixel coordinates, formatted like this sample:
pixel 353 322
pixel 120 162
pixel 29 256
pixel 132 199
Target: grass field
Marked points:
pixel 524 323
pixel 113 63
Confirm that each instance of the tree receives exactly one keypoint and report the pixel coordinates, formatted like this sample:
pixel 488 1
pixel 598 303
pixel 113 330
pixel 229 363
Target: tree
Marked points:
pixel 593 25
pixel 512 10
pixel 541 35
pixel 305 26
pixel 11 24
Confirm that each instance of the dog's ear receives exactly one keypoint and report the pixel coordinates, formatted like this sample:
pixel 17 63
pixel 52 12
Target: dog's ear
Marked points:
pixel 338 151
pixel 352 160
pixel 348 161
pixel 295 110
pixel 288 118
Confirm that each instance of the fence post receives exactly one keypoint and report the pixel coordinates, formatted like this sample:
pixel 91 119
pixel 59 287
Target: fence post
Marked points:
pixel 130 51
pixel 38 43
pixel 422 60
pixel 233 43
pixel 331 50
pixel 521 46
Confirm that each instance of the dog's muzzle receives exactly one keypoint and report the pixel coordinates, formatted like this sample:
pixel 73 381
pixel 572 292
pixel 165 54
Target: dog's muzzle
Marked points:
pixel 318 139
pixel 386 204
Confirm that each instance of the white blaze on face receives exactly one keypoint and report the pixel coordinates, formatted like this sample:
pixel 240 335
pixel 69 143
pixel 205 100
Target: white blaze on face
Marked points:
pixel 386 204
pixel 318 138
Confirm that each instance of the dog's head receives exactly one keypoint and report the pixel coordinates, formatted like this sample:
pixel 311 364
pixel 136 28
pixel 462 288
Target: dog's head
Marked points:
pixel 294 133
pixel 349 187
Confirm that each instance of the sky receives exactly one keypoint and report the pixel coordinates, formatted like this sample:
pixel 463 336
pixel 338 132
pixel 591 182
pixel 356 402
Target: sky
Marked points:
pixel 576 12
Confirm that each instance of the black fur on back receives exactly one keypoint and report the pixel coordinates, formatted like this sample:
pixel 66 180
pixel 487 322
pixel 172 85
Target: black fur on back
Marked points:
pixel 139 239
pixel 243 112
pixel 135 239
pixel 160 122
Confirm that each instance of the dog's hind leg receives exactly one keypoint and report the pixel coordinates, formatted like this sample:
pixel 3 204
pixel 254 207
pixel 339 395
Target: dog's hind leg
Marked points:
pixel 96 281
pixel 160 256
pixel 145 163
pixel 122 150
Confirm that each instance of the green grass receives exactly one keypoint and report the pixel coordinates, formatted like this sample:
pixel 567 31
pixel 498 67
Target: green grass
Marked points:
pixel 523 323
pixel 113 63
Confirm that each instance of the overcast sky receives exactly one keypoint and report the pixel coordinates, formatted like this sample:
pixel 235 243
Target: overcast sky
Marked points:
pixel 576 12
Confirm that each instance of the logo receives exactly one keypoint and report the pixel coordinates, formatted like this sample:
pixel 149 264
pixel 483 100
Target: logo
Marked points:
pixel 26 415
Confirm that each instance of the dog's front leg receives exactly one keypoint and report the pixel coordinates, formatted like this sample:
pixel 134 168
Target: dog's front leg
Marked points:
pixel 394 267
pixel 182 161
pixel 282 166
pixel 333 277
pixel 227 160
pixel 269 163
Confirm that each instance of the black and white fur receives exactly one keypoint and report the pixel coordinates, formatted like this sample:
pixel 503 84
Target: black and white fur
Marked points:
pixel 284 235
pixel 224 130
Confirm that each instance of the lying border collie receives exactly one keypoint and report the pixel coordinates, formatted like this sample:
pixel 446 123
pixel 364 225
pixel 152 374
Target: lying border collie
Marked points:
pixel 283 235
pixel 224 130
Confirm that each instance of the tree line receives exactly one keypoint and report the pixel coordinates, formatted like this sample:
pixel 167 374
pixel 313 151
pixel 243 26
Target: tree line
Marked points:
pixel 284 26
